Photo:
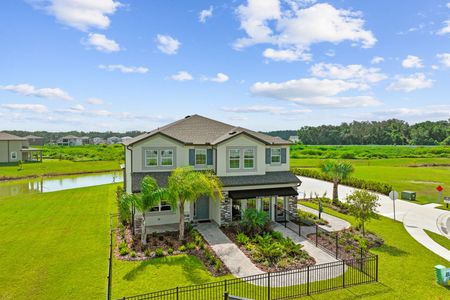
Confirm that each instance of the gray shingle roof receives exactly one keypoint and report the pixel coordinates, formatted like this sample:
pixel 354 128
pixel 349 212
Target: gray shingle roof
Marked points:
pixel 199 130
pixel 10 137
pixel 281 177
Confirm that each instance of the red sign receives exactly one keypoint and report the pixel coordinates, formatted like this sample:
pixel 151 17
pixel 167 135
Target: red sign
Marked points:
pixel 440 188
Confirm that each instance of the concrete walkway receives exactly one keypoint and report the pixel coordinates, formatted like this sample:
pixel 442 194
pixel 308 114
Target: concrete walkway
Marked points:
pixel 334 223
pixel 241 266
pixel 414 217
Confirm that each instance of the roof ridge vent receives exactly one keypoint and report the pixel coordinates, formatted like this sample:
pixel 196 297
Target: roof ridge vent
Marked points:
pixel 232 132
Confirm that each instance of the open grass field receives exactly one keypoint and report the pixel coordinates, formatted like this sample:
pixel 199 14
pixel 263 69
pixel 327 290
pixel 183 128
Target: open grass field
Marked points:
pixel 55 245
pixel 414 174
pixel 51 167
pixel 113 152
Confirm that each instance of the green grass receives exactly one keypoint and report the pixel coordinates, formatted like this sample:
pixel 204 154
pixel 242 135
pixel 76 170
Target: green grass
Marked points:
pixel 398 173
pixel 406 268
pixel 440 239
pixel 51 167
pixel 85 153
pixel 55 245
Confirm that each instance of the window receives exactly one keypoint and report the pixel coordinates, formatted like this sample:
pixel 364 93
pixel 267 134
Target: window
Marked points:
pixel 162 206
pixel 200 157
pixel 249 158
pixel 275 155
pixel 151 158
pixel 235 159
pixel 13 155
pixel 166 157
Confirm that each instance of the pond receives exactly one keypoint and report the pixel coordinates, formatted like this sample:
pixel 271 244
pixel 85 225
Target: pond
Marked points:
pixel 52 184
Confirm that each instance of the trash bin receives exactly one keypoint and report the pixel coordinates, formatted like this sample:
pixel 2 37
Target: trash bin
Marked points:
pixel 408 195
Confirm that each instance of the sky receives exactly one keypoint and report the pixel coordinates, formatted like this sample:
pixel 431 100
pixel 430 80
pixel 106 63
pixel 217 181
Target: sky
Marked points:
pixel 107 65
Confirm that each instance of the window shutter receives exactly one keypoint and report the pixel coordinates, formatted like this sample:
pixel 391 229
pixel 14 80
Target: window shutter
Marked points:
pixel 283 155
pixel 192 157
pixel 209 157
pixel 268 156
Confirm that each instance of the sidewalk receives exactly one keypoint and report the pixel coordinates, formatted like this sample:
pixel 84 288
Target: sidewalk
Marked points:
pixel 334 223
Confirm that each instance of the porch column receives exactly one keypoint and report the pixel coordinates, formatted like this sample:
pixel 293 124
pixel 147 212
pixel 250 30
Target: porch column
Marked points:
pixel 225 209
pixel 273 202
pixel 292 204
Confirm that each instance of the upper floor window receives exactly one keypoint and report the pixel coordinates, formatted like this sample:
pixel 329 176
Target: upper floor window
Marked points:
pixel 200 157
pixel 275 155
pixel 235 159
pixel 159 157
pixel 249 158
pixel 162 206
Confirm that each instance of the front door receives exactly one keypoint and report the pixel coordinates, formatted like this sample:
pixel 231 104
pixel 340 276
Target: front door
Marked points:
pixel 202 208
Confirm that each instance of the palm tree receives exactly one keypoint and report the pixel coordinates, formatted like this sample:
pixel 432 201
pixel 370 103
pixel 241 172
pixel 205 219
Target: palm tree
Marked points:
pixel 151 195
pixel 338 170
pixel 186 185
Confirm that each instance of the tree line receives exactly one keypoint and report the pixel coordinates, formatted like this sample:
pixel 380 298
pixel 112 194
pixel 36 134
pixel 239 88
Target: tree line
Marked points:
pixel 388 132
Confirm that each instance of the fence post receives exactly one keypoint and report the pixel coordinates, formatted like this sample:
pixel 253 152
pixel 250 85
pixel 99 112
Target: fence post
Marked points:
pixel 268 285
pixel 317 233
pixel 225 295
pixel 337 245
pixel 343 273
pixel 361 261
pixel 307 282
pixel 300 227
pixel 225 285
pixel 376 268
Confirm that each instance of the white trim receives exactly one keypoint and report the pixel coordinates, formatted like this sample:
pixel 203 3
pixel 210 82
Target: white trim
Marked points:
pixel 238 159
pixel 272 156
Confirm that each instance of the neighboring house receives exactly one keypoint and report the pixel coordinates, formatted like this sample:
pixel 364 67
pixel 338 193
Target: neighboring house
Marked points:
pixel 69 140
pixel 294 138
pixel 253 168
pixel 14 149
pixel 35 140
pixel 114 140
pixel 98 140
pixel 85 140
pixel 125 138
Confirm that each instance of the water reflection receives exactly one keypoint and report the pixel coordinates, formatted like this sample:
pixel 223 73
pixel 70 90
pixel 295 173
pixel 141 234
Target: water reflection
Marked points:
pixel 52 184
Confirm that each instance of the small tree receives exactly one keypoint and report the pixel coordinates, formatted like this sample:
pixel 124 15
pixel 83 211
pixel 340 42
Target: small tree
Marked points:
pixel 254 221
pixel 338 170
pixel 186 185
pixel 362 207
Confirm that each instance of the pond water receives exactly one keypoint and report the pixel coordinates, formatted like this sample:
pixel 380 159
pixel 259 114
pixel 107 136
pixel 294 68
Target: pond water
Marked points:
pixel 52 184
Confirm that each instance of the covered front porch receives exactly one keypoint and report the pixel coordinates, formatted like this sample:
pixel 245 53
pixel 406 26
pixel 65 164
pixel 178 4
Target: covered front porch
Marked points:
pixel 31 154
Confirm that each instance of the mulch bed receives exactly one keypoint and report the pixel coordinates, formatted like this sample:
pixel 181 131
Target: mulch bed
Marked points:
pixel 164 242
pixel 349 247
pixel 231 233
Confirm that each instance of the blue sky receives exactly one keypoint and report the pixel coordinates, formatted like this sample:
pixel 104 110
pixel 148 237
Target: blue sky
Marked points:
pixel 265 64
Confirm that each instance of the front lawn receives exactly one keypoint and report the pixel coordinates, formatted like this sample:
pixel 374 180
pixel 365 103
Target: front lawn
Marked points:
pixel 406 268
pixel 55 245
pixel 52 167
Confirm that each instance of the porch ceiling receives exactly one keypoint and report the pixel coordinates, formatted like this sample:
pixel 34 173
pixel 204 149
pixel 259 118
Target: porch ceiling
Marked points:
pixel 246 194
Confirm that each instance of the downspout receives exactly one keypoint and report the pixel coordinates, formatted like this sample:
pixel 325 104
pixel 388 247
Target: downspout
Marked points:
pixel 9 154
pixel 133 209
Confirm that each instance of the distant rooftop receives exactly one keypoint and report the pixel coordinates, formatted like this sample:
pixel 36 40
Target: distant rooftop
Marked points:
pixel 10 137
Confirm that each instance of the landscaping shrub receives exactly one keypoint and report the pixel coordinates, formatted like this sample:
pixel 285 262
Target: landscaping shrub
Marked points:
pixel 379 187
pixel 182 248
pixel 217 265
pixel 190 246
pixel 309 219
pixel 123 251
pixel 170 251
pixel 254 221
pixel 242 238
pixel 147 252
pixel 133 254
pixel 159 252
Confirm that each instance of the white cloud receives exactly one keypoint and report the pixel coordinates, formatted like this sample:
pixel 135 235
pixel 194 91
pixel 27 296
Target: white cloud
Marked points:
pixel 78 107
pixel 288 55
pixel 410 83
pixel 274 110
pixel 124 69
pixel 330 53
pixel 220 78
pixel 37 108
pixel 101 113
pixel 167 44
pixel 356 73
pixel 444 58
pixel 80 14
pixel 448 5
pixel 96 101
pixel 314 91
pixel 445 29
pixel 412 61
pixel 296 29
pixel 205 14
pixel 29 90
pixel 431 111
pixel 182 76
pixel 376 60
pixel 101 43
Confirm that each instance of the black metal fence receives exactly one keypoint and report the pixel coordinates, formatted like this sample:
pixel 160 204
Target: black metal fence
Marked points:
pixel 332 242
pixel 278 285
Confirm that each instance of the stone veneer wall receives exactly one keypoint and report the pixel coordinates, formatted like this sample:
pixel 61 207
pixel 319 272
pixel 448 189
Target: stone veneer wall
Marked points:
pixel 225 209
pixel 292 205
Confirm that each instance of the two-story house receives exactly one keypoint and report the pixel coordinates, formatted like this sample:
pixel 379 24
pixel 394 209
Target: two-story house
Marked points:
pixel 253 168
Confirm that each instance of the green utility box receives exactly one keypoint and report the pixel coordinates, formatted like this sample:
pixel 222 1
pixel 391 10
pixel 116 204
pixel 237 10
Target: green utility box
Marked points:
pixel 442 274
pixel 408 195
